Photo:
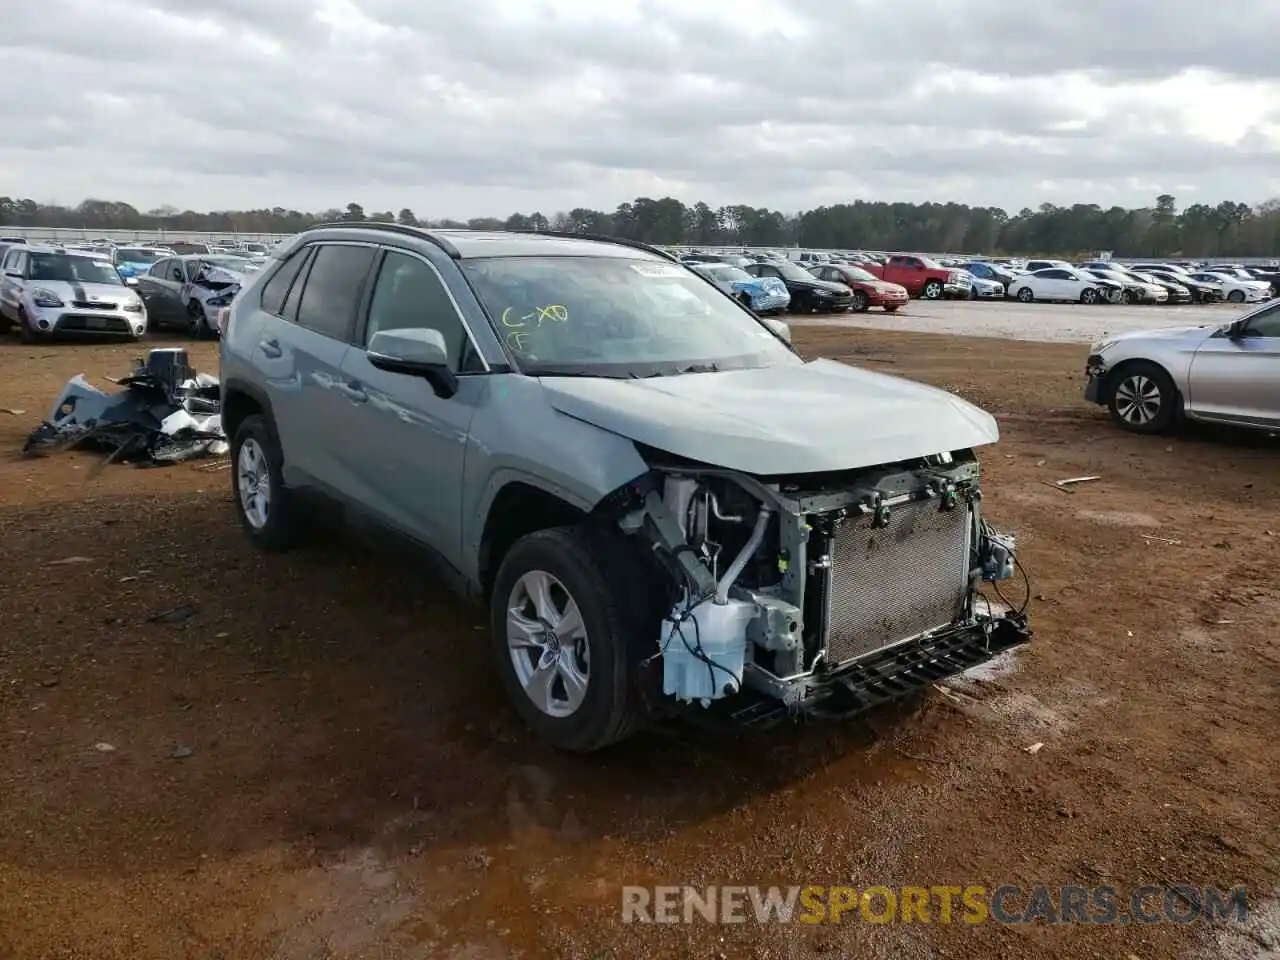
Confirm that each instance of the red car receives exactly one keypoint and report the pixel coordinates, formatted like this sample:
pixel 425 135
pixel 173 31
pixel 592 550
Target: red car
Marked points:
pixel 868 291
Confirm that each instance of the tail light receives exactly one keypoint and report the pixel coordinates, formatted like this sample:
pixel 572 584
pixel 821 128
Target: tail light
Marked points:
pixel 221 319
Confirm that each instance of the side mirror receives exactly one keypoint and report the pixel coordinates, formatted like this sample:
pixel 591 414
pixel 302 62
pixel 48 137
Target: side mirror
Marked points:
pixel 16 274
pixel 418 352
pixel 1236 329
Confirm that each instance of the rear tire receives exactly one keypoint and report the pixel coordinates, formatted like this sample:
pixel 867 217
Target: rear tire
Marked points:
pixel 1142 398
pixel 274 527
pixel 606 582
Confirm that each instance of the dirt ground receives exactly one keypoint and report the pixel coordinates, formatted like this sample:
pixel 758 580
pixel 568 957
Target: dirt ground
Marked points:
pixel 319 761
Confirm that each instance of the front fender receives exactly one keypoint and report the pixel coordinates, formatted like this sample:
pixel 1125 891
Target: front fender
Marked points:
pixel 516 436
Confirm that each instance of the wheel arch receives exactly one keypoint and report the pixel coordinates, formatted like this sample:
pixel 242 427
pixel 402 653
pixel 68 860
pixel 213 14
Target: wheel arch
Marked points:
pixel 239 401
pixel 518 509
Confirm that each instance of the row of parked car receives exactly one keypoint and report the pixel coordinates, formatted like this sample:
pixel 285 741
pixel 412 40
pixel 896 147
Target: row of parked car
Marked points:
pixel 105 289
pixel 859 281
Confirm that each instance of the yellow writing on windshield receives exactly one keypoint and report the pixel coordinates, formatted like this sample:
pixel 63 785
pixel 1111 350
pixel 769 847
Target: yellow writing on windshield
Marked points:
pixel 536 316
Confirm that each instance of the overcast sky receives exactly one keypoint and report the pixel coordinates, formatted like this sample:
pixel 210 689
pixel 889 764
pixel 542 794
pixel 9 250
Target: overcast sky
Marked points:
pixel 460 108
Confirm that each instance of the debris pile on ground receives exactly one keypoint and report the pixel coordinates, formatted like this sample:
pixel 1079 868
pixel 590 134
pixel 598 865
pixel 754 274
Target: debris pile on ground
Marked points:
pixel 166 413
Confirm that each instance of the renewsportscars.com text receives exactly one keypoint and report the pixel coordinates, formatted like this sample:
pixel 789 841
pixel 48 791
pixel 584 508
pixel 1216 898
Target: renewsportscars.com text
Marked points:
pixel 971 904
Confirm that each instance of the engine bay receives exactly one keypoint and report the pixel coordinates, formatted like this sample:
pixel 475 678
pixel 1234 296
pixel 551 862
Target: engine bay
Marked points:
pixel 786 584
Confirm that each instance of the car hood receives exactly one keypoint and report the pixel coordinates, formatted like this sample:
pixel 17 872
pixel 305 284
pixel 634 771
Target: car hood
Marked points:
pixel 1191 333
pixel 106 292
pixel 803 418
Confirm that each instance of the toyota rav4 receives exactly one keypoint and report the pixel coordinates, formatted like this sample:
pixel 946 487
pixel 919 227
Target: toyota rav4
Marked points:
pixel 662 505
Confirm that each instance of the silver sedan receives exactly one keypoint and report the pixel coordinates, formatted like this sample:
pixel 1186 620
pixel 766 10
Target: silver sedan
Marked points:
pixel 1225 373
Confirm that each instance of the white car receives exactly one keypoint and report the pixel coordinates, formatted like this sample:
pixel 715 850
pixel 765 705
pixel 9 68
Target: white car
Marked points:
pixel 1235 289
pixel 47 291
pixel 1066 284
pixel 984 289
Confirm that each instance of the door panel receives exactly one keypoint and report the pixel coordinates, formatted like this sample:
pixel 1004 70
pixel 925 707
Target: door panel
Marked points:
pixel 1237 379
pixel 407 445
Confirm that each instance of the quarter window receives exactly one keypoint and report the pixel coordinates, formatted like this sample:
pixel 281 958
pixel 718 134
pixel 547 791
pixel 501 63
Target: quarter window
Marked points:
pixel 277 288
pixel 333 289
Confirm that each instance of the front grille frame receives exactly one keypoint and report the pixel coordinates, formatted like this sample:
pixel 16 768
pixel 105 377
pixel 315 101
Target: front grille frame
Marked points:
pixel 947 599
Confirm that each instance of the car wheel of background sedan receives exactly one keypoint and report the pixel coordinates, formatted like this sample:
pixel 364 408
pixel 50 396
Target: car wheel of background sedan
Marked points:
pixel 1143 398
pixel 1130 296
pixel 570 631
pixel 861 304
pixel 1090 295
pixel 1236 296
pixel 932 290
pixel 1025 295
pixel 199 324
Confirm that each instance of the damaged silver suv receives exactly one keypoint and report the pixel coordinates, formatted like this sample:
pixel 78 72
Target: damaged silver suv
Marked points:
pixel 662 505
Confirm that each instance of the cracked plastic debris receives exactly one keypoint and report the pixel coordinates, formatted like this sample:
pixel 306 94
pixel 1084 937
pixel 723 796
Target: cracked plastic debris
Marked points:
pixel 165 413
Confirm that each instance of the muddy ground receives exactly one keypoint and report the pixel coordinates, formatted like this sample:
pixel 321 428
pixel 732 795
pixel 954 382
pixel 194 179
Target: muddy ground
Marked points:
pixel 319 762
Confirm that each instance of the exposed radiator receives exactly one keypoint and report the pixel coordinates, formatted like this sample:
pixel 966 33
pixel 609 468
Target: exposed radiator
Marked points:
pixel 889 584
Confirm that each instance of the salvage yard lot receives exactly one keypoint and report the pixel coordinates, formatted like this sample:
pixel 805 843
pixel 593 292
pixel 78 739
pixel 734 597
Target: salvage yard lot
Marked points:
pixel 319 762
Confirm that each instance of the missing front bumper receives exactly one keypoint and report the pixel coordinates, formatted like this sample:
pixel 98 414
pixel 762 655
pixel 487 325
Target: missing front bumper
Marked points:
pixel 893 673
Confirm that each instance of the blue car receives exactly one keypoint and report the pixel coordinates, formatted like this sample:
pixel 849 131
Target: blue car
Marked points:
pixel 764 295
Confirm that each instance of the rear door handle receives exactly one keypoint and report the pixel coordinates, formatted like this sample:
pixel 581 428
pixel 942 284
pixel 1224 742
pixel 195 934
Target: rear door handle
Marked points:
pixel 271 348
pixel 354 391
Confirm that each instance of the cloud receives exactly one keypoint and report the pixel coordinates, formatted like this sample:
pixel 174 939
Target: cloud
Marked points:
pixel 487 106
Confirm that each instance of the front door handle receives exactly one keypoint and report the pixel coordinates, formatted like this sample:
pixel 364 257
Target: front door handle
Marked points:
pixel 354 391
pixel 271 348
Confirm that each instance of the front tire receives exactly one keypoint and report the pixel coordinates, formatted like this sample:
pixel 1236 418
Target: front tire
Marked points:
pixel 1236 296
pixel 570 628
pixel 1143 398
pixel 263 503
pixel 199 324
pixel 861 303
pixel 1025 295
pixel 1089 296
pixel 933 290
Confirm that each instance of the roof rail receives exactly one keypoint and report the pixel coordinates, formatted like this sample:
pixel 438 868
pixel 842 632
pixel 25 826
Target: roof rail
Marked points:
pixel 421 233
pixel 602 238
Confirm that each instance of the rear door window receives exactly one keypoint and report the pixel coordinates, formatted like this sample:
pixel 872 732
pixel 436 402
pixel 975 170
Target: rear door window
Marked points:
pixel 334 287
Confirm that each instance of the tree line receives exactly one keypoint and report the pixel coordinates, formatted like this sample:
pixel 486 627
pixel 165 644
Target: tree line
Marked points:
pixel 1161 230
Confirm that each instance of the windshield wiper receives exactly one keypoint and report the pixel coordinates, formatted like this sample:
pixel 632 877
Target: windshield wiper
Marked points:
pixel 700 368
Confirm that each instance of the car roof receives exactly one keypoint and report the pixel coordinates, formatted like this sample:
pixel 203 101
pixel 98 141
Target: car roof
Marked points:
pixel 470 244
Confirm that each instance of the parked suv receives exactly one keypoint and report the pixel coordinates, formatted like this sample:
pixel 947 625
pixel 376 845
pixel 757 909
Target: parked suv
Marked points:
pixel 662 505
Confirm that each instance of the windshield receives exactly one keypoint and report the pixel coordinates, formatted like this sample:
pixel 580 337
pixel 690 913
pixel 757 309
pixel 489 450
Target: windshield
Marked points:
pixel 728 274
pixel 857 273
pixel 139 255
pixel 931 264
pixel 69 268
pixel 227 263
pixel 610 316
